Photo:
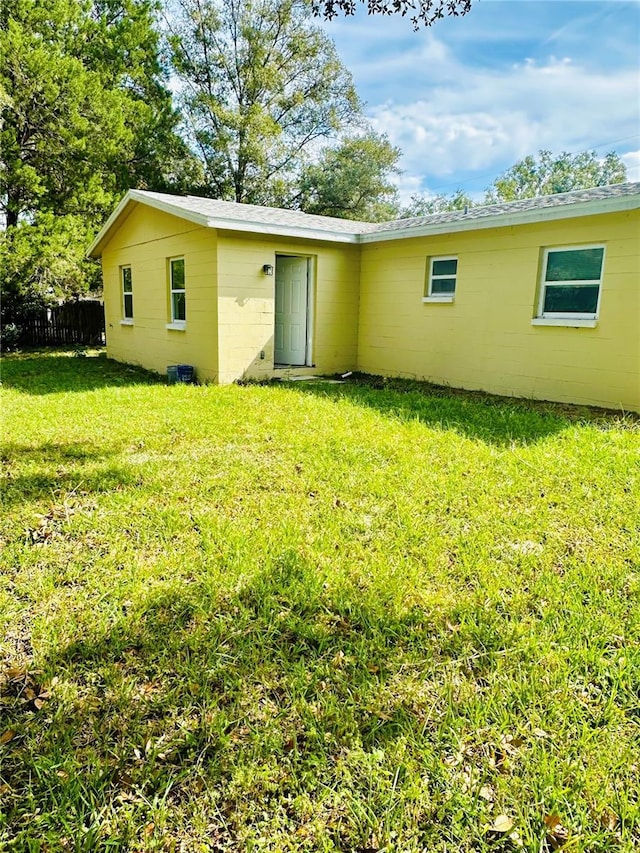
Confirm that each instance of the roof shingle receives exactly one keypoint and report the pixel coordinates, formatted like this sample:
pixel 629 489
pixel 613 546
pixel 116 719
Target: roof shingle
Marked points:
pixel 489 210
pixel 253 213
pixel 250 218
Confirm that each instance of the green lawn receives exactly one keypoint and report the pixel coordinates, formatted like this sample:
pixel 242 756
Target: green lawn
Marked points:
pixel 313 617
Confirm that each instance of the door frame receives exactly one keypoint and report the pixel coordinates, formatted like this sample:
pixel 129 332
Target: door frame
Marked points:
pixel 311 291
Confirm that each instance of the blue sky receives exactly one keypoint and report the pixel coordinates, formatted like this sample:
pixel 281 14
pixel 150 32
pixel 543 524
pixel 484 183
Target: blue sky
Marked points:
pixel 470 96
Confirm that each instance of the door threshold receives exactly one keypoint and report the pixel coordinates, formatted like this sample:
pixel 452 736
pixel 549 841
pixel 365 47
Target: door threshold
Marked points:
pixel 293 366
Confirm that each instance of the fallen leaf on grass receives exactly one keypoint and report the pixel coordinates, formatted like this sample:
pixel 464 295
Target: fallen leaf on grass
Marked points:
pixel 557 834
pixel 609 820
pixel 487 793
pixel 505 753
pixel 338 659
pixel 501 824
pixel 24 689
pixel 36 696
pixel 511 744
pixel 49 524
pixel 7 736
pixel 453 759
pixel 14 673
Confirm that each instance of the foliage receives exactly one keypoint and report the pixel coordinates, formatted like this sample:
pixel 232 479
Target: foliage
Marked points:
pixel 316 617
pixel 10 335
pixel 550 173
pixel 352 180
pixel 533 176
pixel 40 261
pixel 46 257
pixel 55 109
pixel 261 84
pixel 421 205
pixel 84 104
pixel 424 13
pixel 84 115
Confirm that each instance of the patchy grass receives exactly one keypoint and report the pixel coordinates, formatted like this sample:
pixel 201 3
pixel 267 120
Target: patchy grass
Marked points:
pixel 313 617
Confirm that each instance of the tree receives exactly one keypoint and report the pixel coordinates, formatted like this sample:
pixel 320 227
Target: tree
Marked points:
pixel 261 86
pixel 529 178
pixel 421 205
pixel 43 260
pixel 550 173
pixel 423 12
pixel 84 115
pixel 85 105
pixel 352 180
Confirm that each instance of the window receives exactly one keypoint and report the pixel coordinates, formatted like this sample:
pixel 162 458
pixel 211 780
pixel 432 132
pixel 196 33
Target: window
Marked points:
pixel 571 279
pixel 178 304
pixel 127 293
pixel 441 280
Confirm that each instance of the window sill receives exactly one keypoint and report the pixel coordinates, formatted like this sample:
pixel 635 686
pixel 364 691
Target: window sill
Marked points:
pixel 128 321
pixel 445 299
pixel 177 326
pixel 576 323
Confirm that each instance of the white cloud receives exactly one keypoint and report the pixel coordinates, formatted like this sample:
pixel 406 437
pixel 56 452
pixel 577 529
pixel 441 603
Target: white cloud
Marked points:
pixel 408 186
pixel 463 101
pixel 632 161
pixel 501 116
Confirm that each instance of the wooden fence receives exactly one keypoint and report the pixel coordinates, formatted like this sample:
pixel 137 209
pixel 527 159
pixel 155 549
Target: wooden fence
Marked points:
pixel 70 323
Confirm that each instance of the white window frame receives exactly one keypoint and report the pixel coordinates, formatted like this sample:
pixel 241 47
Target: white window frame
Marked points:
pixel 177 324
pixel 127 319
pixel 440 297
pixel 568 318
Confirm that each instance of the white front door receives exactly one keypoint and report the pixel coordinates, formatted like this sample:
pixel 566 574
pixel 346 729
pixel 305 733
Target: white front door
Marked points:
pixel 292 288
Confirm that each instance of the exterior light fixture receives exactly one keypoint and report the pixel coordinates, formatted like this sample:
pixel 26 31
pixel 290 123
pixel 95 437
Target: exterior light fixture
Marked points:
pixel 267 269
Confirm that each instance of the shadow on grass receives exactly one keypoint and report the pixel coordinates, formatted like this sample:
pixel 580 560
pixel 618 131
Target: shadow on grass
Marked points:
pixel 198 712
pixel 254 696
pixel 58 468
pixel 497 420
pixel 57 371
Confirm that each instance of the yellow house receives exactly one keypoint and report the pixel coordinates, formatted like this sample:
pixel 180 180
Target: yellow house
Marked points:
pixel 537 298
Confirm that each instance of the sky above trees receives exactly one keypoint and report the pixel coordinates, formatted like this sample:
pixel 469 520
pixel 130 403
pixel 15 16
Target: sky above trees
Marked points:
pixel 470 96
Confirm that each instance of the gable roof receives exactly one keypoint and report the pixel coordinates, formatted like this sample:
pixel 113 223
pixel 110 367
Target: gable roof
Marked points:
pixel 253 214
pixel 232 216
pixel 250 218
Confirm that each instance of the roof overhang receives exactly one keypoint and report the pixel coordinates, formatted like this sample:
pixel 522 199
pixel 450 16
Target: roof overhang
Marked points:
pixel 614 204
pixel 128 203
pixel 279 230
pixel 135 197
pixel 503 220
